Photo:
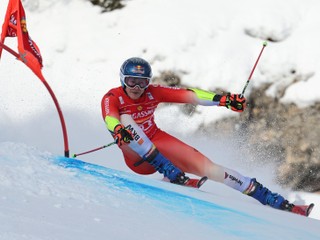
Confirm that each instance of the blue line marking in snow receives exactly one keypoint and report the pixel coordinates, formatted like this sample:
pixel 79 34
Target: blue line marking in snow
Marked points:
pixel 220 217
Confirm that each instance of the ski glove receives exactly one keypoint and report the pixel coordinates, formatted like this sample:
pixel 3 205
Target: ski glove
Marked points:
pixel 122 135
pixel 233 102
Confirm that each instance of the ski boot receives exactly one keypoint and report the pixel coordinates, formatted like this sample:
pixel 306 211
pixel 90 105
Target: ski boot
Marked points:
pixel 174 174
pixel 275 200
pixel 264 195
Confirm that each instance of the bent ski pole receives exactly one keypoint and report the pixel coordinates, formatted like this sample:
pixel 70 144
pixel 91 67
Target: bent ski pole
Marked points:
pixel 93 150
pixel 254 67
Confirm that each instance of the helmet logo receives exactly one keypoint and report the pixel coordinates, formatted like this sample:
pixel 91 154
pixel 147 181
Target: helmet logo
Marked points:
pixel 138 69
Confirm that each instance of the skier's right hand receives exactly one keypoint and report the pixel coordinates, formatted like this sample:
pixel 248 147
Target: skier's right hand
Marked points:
pixel 122 135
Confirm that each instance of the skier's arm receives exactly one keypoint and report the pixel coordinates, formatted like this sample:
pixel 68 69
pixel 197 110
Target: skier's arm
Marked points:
pixel 230 101
pixel 205 98
pixel 110 113
pixel 201 97
pixel 183 95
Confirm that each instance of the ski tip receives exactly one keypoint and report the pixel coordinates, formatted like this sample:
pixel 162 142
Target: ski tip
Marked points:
pixel 309 209
pixel 202 181
pixel 304 210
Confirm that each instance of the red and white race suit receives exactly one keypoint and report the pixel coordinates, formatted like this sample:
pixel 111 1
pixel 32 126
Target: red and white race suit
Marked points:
pixel 116 103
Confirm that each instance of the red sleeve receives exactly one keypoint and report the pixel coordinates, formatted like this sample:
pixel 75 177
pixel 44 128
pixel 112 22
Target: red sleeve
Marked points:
pixel 110 105
pixel 173 94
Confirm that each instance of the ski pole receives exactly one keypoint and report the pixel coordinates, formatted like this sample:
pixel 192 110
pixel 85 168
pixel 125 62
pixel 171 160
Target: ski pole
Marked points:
pixel 254 67
pixel 93 150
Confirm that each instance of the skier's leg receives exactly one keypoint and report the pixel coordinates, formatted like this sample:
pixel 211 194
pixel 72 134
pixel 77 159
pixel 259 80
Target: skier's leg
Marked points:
pixel 142 156
pixel 190 160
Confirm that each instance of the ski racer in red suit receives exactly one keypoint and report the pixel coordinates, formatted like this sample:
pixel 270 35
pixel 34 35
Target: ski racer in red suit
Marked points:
pixel 128 112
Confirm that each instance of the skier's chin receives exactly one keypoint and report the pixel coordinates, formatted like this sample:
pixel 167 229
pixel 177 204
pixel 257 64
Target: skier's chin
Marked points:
pixel 135 94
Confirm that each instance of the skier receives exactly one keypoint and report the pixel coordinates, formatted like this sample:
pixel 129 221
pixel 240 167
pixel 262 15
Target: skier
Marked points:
pixel 128 112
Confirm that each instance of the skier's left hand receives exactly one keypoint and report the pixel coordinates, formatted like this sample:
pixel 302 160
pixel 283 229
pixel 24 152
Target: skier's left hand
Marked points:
pixel 234 102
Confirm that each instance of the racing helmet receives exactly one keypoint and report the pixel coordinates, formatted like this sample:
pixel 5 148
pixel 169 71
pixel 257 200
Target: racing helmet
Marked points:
pixel 135 68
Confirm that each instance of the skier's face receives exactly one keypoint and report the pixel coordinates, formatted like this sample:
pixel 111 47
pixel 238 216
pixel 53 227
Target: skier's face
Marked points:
pixel 135 86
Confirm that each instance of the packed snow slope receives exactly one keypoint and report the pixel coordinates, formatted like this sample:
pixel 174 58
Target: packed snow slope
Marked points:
pixel 49 197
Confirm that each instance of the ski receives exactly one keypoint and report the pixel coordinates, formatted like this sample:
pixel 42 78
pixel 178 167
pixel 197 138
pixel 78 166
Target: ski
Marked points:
pixel 190 182
pixel 304 210
pixel 195 183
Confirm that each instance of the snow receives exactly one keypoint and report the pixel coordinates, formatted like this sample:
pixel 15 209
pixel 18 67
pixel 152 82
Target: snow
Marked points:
pixel 210 44
pixel 48 197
